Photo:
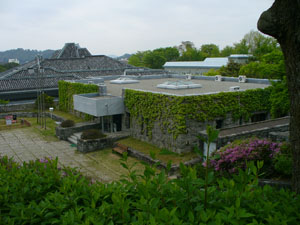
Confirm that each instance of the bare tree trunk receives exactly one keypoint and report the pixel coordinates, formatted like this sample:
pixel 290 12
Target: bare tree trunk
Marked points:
pixel 282 21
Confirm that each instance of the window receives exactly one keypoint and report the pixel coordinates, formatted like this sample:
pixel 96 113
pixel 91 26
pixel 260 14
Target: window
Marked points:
pixel 258 117
pixel 219 124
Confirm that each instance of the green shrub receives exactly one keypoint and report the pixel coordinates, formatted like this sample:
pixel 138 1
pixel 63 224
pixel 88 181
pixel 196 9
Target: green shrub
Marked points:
pixel 283 162
pixel 68 123
pixel 283 165
pixel 38 192
pixel 280 102
pixel 235 155
pixel 92 134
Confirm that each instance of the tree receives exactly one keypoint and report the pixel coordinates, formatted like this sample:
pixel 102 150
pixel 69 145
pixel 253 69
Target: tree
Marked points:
pixel 191 54
pixel 227 51
pixel 282 21
pixel 241 47
pixel 230 70
pixel 137 59
pixel 210 50
pixel 184 46
pixel 154 60
pixel 169 53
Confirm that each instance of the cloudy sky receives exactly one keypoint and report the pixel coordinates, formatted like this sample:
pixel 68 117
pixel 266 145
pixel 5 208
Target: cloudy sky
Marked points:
pixel 125 26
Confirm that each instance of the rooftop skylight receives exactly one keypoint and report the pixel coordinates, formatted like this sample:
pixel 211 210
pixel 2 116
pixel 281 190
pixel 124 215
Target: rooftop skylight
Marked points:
pixel 124 80
pixel 179 84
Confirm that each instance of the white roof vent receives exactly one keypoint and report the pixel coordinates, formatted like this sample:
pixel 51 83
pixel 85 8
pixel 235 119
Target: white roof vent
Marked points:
pixel 242 79
pixel 179 84
pixel 124 80
pixel 234 88
pixel 219 78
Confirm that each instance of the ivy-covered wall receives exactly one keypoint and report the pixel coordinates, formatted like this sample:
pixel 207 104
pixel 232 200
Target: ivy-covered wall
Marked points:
pixel 173 113
pixel 66 90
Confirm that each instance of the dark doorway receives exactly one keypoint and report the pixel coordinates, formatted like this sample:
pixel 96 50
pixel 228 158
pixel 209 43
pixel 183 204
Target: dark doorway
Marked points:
pixel 117 121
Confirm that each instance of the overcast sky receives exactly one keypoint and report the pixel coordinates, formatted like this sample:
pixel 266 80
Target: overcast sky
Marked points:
pixel 125 26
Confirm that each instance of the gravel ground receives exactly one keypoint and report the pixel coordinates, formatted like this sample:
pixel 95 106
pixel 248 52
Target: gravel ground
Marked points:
pixel 207 86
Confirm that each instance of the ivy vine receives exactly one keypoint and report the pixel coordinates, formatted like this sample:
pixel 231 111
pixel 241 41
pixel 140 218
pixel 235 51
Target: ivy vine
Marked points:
pixel 66 90
pixel 172 111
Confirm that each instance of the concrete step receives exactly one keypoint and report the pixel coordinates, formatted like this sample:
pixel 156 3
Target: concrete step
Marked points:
pixel 78 135
pixel 72 139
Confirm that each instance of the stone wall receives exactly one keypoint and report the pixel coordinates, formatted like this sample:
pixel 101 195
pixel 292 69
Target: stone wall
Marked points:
pixel 260 133
pixel 64 132
pixel 184 142
pixel 31 115
pixel 16 107
pixel 85 146
pixel 23 106
pixel 160 165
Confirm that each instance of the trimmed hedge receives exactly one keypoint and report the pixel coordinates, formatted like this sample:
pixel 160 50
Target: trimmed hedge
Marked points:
pixel 92 134
pixel 67 123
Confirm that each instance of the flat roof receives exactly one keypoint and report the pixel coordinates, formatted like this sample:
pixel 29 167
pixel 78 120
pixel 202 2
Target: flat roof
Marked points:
pixel 207 63
pixel 208 86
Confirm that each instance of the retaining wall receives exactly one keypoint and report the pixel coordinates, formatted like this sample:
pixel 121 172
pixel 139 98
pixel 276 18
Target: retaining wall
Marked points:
pixel 64 132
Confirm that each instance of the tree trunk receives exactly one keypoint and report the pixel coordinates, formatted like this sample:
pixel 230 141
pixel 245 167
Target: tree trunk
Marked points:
pixel 282 21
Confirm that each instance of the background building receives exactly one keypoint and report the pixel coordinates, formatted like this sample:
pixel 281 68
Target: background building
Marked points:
pixel 201 67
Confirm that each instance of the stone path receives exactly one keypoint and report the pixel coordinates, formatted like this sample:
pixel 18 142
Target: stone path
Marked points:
pixel 25 145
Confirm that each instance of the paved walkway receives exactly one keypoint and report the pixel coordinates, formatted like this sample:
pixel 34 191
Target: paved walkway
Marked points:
pixel 25 145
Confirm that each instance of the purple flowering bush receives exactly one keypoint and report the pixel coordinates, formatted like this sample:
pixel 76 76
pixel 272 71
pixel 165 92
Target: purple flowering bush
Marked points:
pixel 236 154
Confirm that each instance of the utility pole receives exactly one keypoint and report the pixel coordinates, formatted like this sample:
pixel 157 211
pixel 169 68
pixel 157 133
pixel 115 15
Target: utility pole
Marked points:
pixel 41 115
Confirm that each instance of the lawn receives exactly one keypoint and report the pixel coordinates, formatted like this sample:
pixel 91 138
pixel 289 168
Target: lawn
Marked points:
pixel 163 155
pixel 68 116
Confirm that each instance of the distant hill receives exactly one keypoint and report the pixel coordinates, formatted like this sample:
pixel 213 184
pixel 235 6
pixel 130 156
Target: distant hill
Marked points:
pixel 23 55
pixel 125 56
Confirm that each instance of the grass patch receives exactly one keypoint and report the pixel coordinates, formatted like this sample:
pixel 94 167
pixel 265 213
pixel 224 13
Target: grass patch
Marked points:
pixel 48 133
pixel 161 154
pixel 68 116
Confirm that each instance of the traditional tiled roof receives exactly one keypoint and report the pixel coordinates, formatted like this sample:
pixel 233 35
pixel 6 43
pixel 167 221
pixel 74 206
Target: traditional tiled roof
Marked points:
pixel 71 62
pixel 30 83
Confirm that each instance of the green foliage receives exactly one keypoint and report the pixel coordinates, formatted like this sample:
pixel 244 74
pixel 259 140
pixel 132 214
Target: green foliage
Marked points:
pixel 7 66
pixel 92 134
pixel 40 193
pixel 172 111
pixel 280 103
pixel 234 156
pixel 4 102
pixel 49 101
pixel 191 54
pixel 227 51
pixel 137 59
pixel 154 59
pixel 271 66
pixel 210 50
pixel 67 123
pixel 66 90
pixel 230 70
pixel 212 72
pixel 283 162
